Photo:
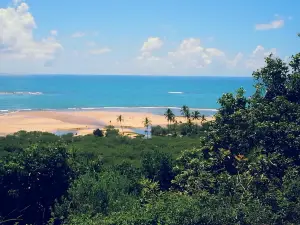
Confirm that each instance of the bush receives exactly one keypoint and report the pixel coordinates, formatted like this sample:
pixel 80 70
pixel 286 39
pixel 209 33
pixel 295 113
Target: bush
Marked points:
pixel 31 180
pixel 98 133
pixel 159 131
pixel 111 131
pixel 158 166
pixel 95 193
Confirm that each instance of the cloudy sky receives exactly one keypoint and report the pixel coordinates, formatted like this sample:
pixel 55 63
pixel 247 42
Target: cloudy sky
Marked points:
pixel 160 37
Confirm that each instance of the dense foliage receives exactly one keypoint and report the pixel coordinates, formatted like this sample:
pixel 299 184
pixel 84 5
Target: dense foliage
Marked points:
pixel 243 168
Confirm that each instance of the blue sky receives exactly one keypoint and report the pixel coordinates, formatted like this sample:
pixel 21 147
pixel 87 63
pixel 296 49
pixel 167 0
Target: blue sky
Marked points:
pixel 167 37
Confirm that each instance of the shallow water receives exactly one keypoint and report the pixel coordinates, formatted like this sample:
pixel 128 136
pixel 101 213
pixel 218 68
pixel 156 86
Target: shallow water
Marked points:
pixel 64 132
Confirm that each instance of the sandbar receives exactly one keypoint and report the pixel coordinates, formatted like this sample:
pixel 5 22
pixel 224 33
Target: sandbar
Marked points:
pixel 83 122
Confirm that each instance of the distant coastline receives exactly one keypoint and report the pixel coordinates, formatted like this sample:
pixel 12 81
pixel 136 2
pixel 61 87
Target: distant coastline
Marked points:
pixel 157 110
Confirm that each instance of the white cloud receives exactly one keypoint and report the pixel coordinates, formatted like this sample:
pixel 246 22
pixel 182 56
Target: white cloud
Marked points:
pixel 147 56
pixel 16 36
pixel 54 32
pixel 99 51
pixel 287 59
pixel 275 24
pixel 257 58
pixel 190 53
pixel 78 34
pixel 192 57
pixel 151 44
pixel 252 61
pixel 236 60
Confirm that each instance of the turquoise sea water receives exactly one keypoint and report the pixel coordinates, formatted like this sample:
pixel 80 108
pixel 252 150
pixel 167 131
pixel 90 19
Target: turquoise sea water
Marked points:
pixel 123 93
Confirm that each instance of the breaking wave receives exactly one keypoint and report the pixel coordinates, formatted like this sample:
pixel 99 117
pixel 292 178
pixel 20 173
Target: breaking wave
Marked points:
pixel 175 92
pixel 20 93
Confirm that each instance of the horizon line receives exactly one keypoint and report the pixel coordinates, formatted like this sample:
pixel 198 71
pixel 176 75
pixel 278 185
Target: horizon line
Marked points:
pixel 148 75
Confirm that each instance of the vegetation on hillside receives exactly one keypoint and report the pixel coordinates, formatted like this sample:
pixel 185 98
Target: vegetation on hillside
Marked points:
pixel 242 168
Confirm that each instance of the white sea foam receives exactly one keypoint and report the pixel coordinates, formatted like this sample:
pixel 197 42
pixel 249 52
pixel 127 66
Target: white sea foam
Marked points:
pixel 89 108
pixel 20 93
pixel 157 107
pixel 214 110
pixel 138 107
pixel 154 107
pixel 116 107
pixel 172 107
pixel 133 108
pixel 149 107
pixel 175 92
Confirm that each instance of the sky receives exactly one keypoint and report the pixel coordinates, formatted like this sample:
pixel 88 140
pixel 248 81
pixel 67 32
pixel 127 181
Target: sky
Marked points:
pixel 138 37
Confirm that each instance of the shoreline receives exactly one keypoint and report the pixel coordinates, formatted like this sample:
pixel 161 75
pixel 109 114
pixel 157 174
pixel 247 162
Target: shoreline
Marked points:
pixel 81 121
pixel 106 108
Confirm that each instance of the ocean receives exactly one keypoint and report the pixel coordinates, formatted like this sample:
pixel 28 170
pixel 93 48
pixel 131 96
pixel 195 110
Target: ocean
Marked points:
pixel 117 93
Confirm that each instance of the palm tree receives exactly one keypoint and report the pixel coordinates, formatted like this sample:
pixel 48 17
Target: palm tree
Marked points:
pixel 196 115
pixel 147 123
pixel 185 111
pixel 120 119
pixel 169 116
pixel 203 119
pixel 189 122
pixel 175 124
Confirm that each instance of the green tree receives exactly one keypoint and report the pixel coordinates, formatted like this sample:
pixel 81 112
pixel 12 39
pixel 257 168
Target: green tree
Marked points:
pixel 95 193
pixel 120 119
pixel 185 111
pixel 196 115
pixel 293 87
pixel 250 150
pixel 157 166
pixel 147 123
pixel 31 180
pixel 169 116
pixel 159 131
pixel 175 126
pixel 110 131
pixel 203 119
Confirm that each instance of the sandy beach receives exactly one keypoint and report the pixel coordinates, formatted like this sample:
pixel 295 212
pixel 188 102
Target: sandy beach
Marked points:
pixel 83 122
